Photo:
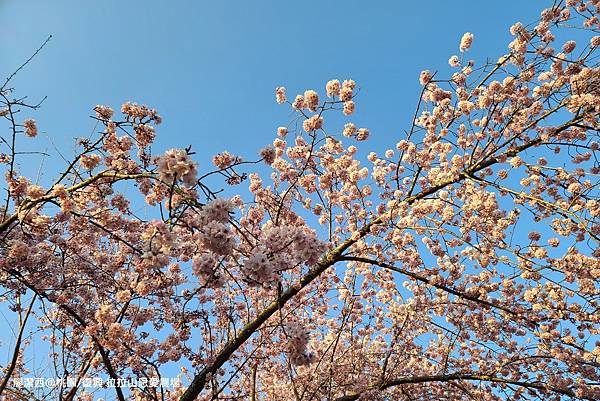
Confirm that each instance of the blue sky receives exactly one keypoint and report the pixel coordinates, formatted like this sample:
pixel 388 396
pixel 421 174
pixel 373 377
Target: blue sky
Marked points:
pixel 210 67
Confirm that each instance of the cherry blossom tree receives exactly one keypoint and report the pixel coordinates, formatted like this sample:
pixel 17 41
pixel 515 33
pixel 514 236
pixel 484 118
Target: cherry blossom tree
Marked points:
pixel 459 264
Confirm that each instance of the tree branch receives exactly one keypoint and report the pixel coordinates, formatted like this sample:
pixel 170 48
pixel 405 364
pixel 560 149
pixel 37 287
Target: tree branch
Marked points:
pixel 465 377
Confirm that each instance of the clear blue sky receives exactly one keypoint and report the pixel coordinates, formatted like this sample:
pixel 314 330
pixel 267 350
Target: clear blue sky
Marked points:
pixel 210 67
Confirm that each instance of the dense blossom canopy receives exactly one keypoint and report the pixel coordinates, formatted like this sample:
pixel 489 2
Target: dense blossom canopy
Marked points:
pixel 462 263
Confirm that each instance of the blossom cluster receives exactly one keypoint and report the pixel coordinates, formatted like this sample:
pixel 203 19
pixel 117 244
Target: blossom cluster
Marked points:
pixel 158 242
pixel 281 248
pixel 206 267
pixel 218 210
pixel 103 112
pixel 466 41
pixel 224 160
pixel 30 127
pixel 260 270
pixel 175 165
pixel 297 342
pixel 136 111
